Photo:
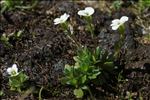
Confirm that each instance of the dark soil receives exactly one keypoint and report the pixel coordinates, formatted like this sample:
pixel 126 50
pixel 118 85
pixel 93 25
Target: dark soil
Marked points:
pixel 43 50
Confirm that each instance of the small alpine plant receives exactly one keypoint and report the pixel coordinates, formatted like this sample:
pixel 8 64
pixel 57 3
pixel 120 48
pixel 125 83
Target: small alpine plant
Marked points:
pixel 13 71
pixel 87 14
pixel 81 73
pixel 16 79
pixel 7 5
pixel 89 65
pixel 119 24
pixel 62 20
pixel 68 29
pixel 4 38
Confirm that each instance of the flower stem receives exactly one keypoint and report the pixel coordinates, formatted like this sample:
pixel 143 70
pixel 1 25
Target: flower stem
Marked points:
pixel 40 92
pixel 90 26
pixel 120 42
pixel 91 95
pixel 69 35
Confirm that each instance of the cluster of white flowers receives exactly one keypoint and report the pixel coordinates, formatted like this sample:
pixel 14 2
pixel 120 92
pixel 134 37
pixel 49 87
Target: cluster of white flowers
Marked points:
pixel 13 71
pixel 88 11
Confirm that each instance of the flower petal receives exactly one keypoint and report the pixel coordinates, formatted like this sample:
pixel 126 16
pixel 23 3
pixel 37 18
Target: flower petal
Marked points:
pixel 9 70
pixel 64 17
pixel 115 27
pixel 89 10
pixel 82 13
pixel 123 19
pixel 56 21
pixel 116 21
pixel 14 67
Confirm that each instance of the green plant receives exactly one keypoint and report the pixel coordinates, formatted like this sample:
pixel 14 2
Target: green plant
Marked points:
pixel 13 4
pixel 143 4
pixel 16 79
pixel 116 4
pixel 15 36
pixel 87 67
pixel 8 5
pixel 5 39
pixel 128 95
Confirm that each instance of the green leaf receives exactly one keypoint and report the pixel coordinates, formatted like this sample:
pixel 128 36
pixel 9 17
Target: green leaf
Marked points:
pixel 12 88
pixel 23 77
pixel 83 79
pixel 68 70
pixel 14 82
pixel 109 66
pixel 73 82
pixel 85 88
pixel 19 33
pixel 76 58
pixel 97 52
pixel 78 93
pixel 84 68
pixel 4 38
pixel 1 93
pixel 93 76
pixel 67 67
pixel 94 59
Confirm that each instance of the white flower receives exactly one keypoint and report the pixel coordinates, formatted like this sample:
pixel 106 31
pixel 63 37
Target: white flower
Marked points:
pixel 62 19
pixel 2 2
pixel 88 11
pixel 118 22
pixel 13 71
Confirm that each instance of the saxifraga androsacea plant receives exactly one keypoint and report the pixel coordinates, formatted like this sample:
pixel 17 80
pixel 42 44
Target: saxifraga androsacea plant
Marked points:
pixel 67 28
pixel 16 79
pixel 13 36
pixel 88 66
pixel 87 14
pixel 118 24
pixel 7 5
